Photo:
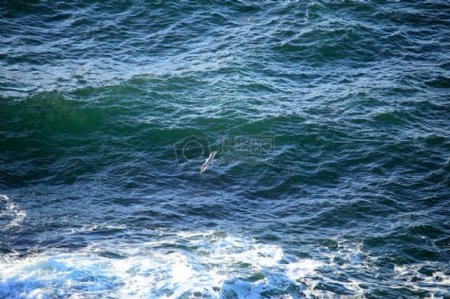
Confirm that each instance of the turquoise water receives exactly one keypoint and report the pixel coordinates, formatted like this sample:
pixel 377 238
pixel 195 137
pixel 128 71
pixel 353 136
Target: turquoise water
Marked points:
pixel 332 122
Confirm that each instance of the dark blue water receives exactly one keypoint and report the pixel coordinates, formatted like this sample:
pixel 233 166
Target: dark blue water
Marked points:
pixel 332 122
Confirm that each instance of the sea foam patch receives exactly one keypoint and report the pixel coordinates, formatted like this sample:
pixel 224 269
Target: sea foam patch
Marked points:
pixel 209 264
pixel 11 215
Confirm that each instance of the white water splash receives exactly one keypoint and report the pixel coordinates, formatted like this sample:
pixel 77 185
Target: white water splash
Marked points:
pixel 10 213
pixel 209 263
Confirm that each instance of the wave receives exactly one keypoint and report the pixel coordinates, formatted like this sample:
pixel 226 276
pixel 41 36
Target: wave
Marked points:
pixel 213 264
pixel 210 264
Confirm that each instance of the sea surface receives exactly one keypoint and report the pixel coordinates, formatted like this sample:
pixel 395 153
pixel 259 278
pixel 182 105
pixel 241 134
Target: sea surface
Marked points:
pixel 332 122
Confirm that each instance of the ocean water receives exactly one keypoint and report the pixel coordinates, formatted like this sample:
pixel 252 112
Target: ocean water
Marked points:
pixel 332 122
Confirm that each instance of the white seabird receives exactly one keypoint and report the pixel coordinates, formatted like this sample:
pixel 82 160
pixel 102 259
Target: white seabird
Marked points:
pixel 208 161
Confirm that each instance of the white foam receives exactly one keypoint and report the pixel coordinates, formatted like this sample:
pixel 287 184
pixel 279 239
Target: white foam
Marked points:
pixel 208 263
pixel 211 263
pixel 11 212
pixel 409 276
pixel 300 269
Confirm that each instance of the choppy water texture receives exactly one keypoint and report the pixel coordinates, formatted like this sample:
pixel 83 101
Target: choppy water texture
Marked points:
pixel 100 197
